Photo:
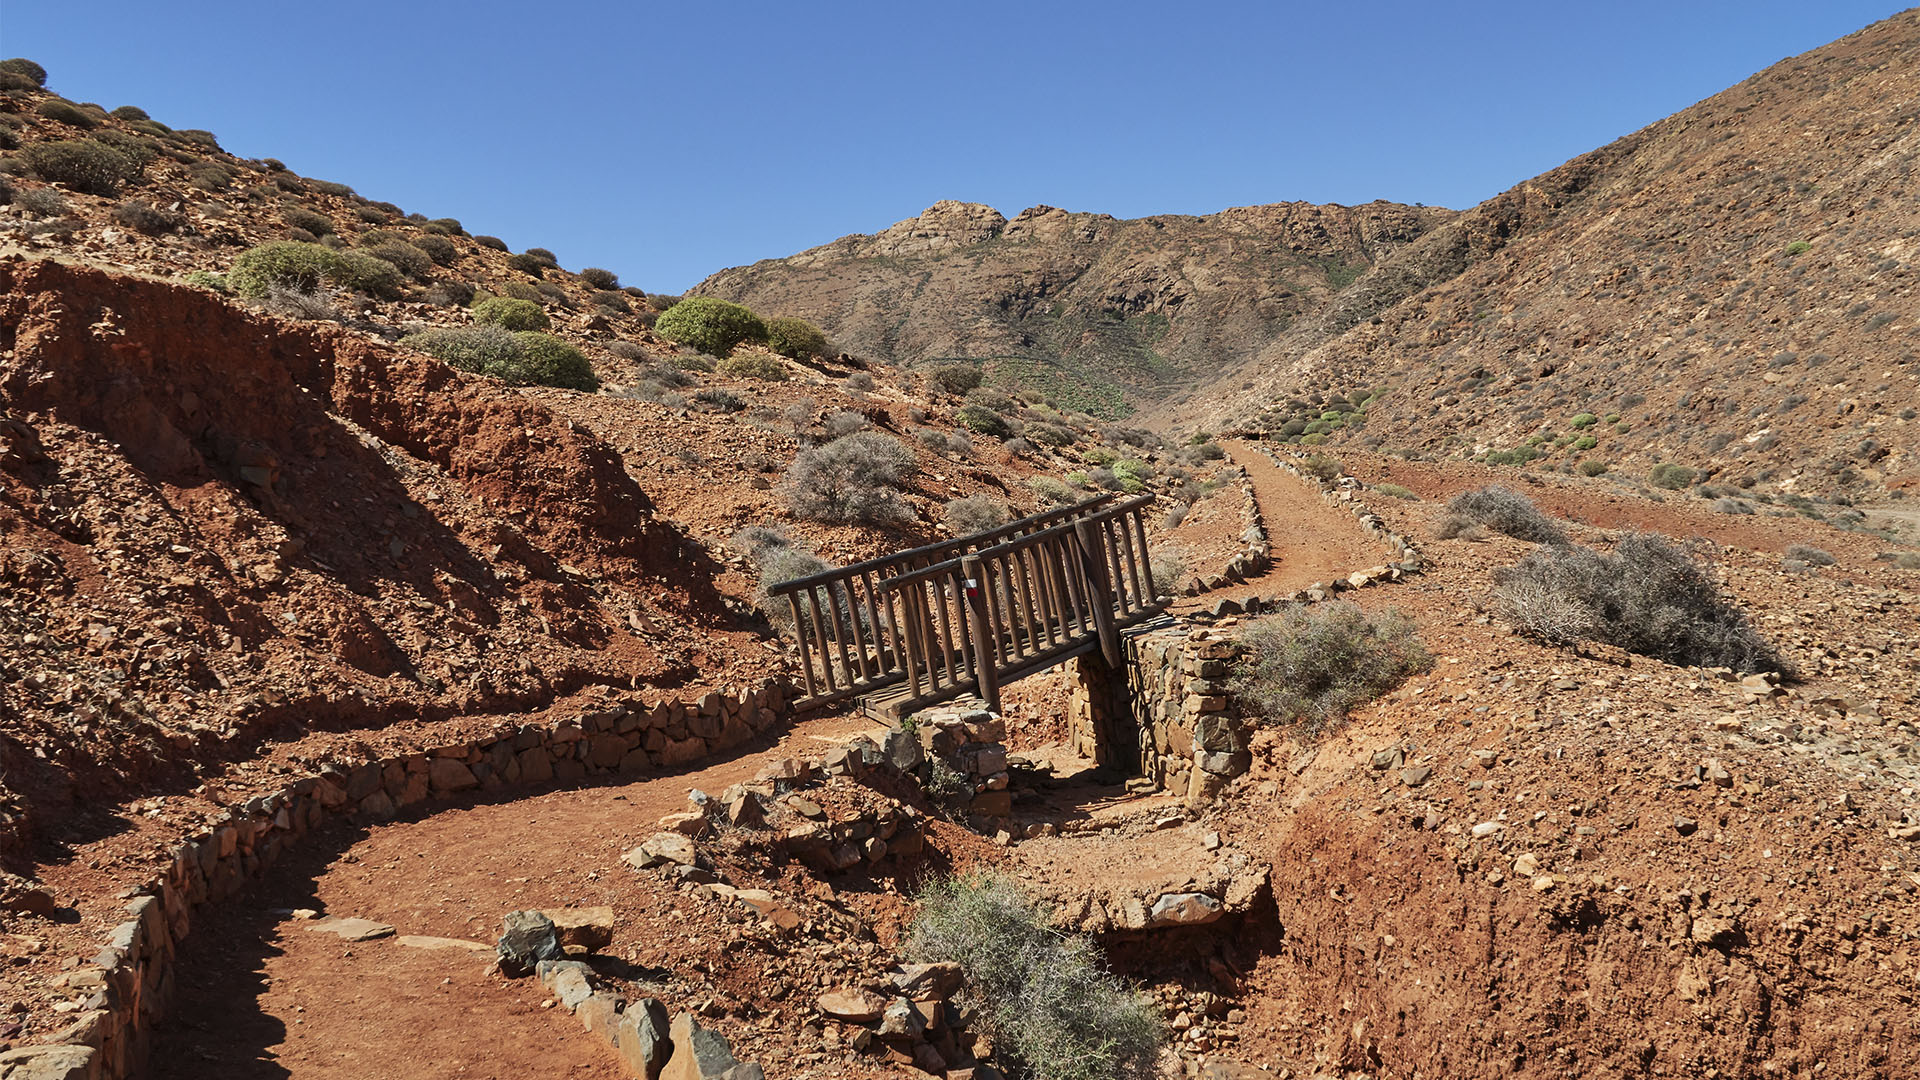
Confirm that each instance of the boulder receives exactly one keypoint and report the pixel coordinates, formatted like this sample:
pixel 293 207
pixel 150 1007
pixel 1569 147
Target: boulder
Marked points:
pixel 641 1038
pixel 919 981
pixel 852 1006
pixel 698 1054
pixel 450 774
pixel 528 938
pixel 1183 909
pixel 49 1063
pixel 589 928
pixel 569 980
pixel 661 849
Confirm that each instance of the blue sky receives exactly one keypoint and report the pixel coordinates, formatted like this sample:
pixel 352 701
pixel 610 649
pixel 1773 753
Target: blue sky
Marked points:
pixel 665 142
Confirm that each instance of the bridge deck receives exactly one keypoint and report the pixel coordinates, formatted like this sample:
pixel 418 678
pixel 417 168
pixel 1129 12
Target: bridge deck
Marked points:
pixel 973 614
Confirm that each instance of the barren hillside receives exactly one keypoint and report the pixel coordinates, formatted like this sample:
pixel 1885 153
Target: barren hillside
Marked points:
pixel 1098 313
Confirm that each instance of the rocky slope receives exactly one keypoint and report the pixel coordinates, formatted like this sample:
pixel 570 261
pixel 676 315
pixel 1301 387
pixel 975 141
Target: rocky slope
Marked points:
pixel 1099 313
pixel 1731 289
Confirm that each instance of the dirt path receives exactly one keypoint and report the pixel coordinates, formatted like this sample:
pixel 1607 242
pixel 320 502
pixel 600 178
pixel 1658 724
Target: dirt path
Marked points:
pixel 1311 542
pixel 263 996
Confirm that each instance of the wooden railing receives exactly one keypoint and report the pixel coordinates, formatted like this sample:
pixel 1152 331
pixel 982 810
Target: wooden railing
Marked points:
pixel 972 614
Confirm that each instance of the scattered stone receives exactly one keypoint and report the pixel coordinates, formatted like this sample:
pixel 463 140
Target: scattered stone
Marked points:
pixel 641 1038
pixel 1685 826
pixel 661 849
pixel 49 1063
pixel 1415 776
pixel 901 1021
pixel 698 1054
pixel 353 929
pixel 419 941
pixel 527 939
pixel 919 981
pixel 852 1006
pixel 569 980
pixel 1184 909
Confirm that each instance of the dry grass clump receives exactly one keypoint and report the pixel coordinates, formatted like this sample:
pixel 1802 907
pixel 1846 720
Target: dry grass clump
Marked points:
pixel 975 513
pixel 1647 596
pixel 853 479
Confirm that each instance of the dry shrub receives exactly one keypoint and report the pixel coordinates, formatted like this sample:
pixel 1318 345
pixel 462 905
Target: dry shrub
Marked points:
pixel 1502 510
pixel 975 513
pixel 853 479
pixel 1316 663
pixel 1647 596
pixel 1044 997
pixel 1809 554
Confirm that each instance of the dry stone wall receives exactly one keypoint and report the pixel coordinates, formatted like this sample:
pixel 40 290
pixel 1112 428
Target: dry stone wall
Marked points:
pixel 132 976
pixel 1165 715
pixel 1250 563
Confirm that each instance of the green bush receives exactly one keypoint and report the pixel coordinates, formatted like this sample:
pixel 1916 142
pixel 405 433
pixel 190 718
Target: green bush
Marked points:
pixel 796 338
pixel 130 112
pixel 81 164
pixel 1318 662
pixel 954 378
pixel 549 361
pixel 1584 420
pixel 1671 477
pixel 1323 468
pixel 1395 491
pixel 66 112
pixel 445 226
pixel 527 264
pixel 753 365
pixel 1647 596
pixel 10 80
pixel 404 257
pixel 1044 997
pixel 853 479
pixel 1799 247
pixel 1502 510
pixel 711 325
pixel 143 216
pixel 492 242
pixel 298 217
pixel 511 314
pixel 1132 474
pixel 1584 442
pixel 525 358
pixel 331 187
pixel 196 137
pixel 202 279
pixel 20 65
pixel 438 248
pixel 1591 467
pixel 597 278
pixel 138 150
pixel 983 421
pixel 302 268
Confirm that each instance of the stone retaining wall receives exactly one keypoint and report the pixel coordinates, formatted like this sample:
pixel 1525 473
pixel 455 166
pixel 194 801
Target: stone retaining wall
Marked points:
pixel 1255 560
pixel 132 975
pixel 1165 715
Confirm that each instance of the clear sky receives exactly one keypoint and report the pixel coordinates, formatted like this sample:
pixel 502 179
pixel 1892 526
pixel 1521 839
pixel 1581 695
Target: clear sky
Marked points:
pixel 666 141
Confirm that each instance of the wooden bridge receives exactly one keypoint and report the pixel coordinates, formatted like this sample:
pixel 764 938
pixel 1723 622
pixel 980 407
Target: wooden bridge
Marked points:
pixel 973 614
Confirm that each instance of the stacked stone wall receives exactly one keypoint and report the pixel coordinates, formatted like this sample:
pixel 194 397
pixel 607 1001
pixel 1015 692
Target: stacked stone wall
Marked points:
pixel 1165 715
pixel 132 976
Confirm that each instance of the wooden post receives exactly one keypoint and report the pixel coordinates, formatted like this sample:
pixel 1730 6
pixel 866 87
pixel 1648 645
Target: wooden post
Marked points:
pixel 1093 558
pixel 800 632
pixel 975 583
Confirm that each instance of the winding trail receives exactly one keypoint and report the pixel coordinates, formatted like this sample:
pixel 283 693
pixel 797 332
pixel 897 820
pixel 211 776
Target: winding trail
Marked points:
pixel 263 997
pixel 1311 541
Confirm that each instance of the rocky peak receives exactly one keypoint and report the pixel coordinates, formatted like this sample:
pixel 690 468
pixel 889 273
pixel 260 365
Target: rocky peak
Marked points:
pixel 945 225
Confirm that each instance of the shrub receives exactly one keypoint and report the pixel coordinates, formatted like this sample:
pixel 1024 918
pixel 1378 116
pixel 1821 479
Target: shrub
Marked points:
pixel 197 137
pixel 1670 476
pixel 331 187
pixel 1132 475
pixel 303 267
pixel 527 264
pixel 549 361
pixel 1799 247
pixel 295 304
pixel 493 242
pixel 1733 506
pixel 1809 554
pixel 611 300
pixel 301 218
pixel 1591 467
pixel 202 279
pixel 13 81
pixel 975 513
pixel 1052 492
pixel 796 338
pixel 511 314
pixel 1314 665
pixel 1502 510
pixel 840 422
pixel 1646 596
pixel 66 112
pixel 404 257
pixel 545 256
pixel 954 378
pixel 711 325
pixel 289 183
pixel 43 202
pixel 210 176
pixel 143 216
pixel 1051 434
pixel 1584 442
pixel 138 150
pixel 854 478
pixel 20 65
pixel 1395 491
pixel 524 358
pixel 753 365
pixel 1168 570
pixel 1323 468
pixel 980 419
pixel 438 248
pixel 600 279
pixel 1584 420
pixel 520 290
pixel 1044 997
pixel 720 399
pixel 450 293
pixel 859 381
pixel 130 112
pixel 372 215
pixel 81 164
pixel 779 560
pixel 1208 451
